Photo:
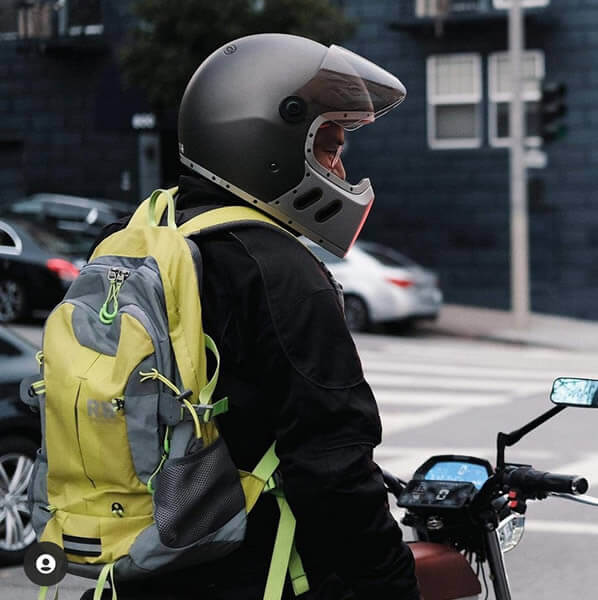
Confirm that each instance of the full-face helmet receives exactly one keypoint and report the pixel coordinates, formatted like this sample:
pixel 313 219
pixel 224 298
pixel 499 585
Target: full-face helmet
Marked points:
pixel 249 117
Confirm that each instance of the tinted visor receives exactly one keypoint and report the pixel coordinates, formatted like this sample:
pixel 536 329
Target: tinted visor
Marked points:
pixel 347 83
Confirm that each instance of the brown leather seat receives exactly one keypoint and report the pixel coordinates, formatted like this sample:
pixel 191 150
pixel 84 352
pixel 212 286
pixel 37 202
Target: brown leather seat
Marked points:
pixel 443 573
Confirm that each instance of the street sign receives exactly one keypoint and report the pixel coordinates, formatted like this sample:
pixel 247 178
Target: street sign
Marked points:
pixel 143 121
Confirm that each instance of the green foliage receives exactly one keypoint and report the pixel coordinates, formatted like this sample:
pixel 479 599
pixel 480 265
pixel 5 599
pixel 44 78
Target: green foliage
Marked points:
pixel 174 36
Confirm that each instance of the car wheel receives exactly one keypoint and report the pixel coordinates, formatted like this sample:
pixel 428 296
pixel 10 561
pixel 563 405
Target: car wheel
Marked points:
pixel 356 313
pixel 16 465
pixel 13 300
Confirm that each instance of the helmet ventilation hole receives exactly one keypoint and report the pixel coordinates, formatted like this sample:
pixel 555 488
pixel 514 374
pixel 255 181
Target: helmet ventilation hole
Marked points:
pixel 328 211
pixel 306 200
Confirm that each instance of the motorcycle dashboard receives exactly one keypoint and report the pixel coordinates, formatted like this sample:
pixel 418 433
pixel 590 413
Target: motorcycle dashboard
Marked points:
pixel 464 469
pixel 447 481
pixel 458 471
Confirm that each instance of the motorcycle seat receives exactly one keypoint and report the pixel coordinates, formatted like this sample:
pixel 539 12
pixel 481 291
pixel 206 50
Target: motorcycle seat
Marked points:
pixel 443 573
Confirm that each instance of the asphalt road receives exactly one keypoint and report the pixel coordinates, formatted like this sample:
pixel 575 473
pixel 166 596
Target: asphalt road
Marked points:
pixel 440 395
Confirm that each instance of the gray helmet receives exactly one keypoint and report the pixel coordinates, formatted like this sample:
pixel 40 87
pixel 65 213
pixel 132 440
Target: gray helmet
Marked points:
pixel 248 120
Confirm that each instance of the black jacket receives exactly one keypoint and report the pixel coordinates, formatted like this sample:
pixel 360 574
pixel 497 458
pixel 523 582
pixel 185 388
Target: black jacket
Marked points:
pixel 291 371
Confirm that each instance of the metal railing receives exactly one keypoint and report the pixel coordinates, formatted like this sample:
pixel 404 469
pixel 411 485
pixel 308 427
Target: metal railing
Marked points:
pixel 442 8
pixel 46 19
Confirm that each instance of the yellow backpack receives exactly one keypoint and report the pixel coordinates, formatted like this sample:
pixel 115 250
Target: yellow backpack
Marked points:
pixel 132 477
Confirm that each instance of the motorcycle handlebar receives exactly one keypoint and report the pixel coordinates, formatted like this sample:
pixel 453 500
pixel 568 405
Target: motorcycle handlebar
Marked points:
pixel 529 480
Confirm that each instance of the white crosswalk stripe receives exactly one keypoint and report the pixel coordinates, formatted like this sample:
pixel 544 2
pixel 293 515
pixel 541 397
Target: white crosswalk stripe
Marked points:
pixel 412 392
pixel 418 382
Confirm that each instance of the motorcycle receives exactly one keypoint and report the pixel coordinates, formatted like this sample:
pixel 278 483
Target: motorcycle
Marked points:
pixel 465 514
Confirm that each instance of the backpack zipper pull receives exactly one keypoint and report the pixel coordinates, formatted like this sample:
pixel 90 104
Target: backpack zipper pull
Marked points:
pixel 116 277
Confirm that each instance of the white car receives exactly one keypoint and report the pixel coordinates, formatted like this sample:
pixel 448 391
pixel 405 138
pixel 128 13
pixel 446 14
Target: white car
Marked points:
pixel 381 285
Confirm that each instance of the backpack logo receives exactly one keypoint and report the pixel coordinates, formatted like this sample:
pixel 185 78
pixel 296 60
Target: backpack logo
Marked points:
pixel 101 410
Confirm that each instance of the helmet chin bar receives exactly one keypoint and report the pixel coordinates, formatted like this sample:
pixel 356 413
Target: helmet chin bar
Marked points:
pixel 323 207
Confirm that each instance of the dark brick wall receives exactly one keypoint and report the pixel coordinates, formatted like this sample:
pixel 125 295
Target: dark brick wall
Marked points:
pixel 66 109
pixel 449 209
pixel 65 127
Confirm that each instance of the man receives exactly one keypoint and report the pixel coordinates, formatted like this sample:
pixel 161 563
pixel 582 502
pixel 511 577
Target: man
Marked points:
pixel 262 122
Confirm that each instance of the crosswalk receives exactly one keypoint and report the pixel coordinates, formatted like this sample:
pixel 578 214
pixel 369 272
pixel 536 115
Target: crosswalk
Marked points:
pixel 451 396
pixel 445 396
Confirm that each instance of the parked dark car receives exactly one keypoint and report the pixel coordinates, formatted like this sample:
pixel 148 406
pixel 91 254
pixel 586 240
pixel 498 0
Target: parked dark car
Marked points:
pixel 19 440
pixel 37 265
pixel 66 213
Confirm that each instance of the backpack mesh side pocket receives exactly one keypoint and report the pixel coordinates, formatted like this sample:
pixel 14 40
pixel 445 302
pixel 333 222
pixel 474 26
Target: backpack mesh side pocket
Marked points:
pixel 196 495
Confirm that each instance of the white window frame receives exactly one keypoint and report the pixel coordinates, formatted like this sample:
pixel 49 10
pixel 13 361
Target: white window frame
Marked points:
pixel 495 97
pixel 525 4
pixel 434 99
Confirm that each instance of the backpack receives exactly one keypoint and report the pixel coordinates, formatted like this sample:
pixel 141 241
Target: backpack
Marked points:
pixel 132 477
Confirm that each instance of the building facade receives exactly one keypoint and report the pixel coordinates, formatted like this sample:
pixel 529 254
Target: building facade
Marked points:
pixel 439 164
pixel 68 123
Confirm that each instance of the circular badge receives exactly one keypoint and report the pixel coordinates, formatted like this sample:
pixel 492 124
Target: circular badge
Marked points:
pixel 45 564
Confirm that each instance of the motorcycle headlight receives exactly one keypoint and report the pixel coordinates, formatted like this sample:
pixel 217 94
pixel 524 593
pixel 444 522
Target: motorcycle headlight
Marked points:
pixel 510 531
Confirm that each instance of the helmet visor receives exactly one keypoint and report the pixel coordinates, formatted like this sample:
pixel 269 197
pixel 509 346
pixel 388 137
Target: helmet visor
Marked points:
pixel 351 87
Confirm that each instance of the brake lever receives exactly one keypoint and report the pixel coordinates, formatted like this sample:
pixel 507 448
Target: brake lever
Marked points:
pixel 583 499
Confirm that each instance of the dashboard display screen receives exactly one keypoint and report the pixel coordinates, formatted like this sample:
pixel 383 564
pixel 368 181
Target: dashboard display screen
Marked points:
pixel 458 471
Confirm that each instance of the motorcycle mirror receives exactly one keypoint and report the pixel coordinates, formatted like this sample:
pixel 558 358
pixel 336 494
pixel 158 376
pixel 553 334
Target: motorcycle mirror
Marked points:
pixel 572 391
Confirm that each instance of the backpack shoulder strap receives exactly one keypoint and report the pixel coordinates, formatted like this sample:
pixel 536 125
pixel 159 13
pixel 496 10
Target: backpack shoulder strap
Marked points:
pixel 226 215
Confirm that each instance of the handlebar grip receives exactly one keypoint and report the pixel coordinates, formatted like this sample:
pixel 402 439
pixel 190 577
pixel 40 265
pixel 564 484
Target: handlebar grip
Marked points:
pixel 527 479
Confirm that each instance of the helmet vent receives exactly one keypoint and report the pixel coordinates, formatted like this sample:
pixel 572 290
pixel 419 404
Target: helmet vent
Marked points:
pixel 328 211
pixel 306 200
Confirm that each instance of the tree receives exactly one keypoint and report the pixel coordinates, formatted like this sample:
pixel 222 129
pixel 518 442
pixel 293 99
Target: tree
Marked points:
pixel 172 37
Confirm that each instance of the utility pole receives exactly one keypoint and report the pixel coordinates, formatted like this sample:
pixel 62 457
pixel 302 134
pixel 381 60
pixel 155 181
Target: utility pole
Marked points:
pixel 520 296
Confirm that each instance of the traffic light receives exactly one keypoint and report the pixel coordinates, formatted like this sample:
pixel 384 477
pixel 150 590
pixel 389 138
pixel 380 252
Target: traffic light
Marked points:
pixel 553 111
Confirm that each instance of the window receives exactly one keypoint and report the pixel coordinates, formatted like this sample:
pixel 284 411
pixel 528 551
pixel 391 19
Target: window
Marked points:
pixel 10 242
pixel 499 96
pixel 387 256
pixel 85 17
pixel 7 349
pixel 9 18
pixel 325 256
pixel 454 100
pixel 524 4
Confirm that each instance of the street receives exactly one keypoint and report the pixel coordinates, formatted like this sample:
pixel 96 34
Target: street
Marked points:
pixel 445 395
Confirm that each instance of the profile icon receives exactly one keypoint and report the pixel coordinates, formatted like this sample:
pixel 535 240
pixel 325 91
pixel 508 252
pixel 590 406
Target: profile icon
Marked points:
pixel 45 564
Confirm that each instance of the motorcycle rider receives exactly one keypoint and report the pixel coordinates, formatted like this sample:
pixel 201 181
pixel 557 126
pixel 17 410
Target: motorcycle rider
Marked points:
pixel 262 121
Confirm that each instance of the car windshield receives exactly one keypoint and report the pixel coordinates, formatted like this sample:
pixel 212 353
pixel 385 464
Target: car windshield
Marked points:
pixel 387 256
pixel 67 243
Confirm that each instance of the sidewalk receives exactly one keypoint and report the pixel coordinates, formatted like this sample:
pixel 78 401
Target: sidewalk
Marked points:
pixel 498 325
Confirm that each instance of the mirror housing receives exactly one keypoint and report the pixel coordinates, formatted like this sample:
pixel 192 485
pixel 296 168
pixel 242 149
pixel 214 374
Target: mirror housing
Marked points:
pixel 573 391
